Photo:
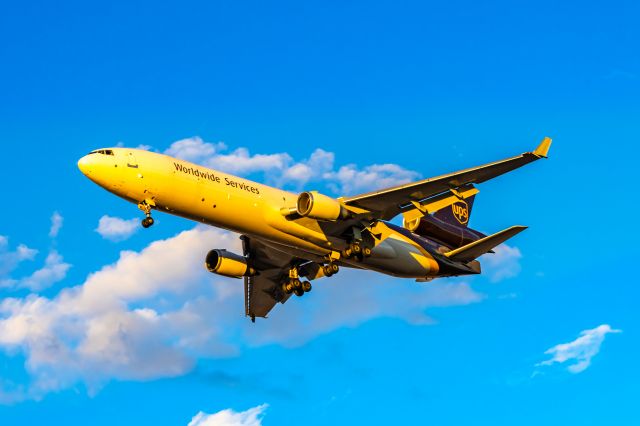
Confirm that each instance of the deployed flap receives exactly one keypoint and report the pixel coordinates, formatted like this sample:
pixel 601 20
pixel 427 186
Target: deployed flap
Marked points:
pixel 388 203
pixel 483 245
pixel 262 291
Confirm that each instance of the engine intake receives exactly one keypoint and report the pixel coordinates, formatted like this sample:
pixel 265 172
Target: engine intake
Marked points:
pixel 320 207
pixel 228 264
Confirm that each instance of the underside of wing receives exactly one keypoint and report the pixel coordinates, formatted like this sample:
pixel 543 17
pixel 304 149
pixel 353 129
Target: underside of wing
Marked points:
pixel 388 203
pixel 263 291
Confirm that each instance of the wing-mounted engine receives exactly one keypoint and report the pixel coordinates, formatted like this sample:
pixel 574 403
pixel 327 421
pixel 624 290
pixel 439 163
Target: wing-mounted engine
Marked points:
pixel 314 205
pixel 228 264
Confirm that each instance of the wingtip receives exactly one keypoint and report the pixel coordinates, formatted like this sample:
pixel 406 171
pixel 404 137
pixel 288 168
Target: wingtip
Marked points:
pixel 543 149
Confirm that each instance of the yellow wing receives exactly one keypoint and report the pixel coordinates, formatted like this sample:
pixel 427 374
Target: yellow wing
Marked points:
pixel 388 203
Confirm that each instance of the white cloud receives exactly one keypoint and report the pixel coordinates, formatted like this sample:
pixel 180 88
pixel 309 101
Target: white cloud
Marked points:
pixel 314 168
pixel 117 229
pixel 9 260
pixel 54 270
pixel 349 179
pixel 579 352
pixel 282 170
pixel 228 417
pixel 153 313
pixel 241 162
pixel 503 264
pixel 193 149
pixel 56 224
pixel 91 333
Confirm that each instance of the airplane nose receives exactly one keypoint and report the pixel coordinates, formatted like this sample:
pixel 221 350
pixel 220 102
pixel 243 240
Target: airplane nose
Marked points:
pixel 84 164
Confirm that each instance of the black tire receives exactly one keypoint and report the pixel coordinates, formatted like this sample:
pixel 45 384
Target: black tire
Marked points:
pixel 299 292
pixel 366 252
pixel 306 286
pixel 334 268
pixel 327 271
pixel 147 222
pixel 356 248
pixel 296 283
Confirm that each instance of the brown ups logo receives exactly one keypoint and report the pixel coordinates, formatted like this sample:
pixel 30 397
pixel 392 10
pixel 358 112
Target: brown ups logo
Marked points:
pixel 460 211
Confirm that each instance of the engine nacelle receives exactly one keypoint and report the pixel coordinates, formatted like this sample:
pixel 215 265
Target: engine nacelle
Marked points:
pixel 228 264
pixel 320 207
pixel 451 235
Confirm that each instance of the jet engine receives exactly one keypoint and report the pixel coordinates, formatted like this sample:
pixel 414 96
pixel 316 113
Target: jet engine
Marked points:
pixel 434 228
pixel 320 207
pixel 228 264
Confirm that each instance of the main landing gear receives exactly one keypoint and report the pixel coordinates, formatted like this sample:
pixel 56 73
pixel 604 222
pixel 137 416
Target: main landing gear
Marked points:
pixel 295 285
pixel 356 249
pixel 299 287
pixel 330 269
pixel 146 208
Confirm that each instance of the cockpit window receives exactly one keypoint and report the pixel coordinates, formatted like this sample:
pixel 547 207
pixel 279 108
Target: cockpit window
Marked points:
pixel 102 151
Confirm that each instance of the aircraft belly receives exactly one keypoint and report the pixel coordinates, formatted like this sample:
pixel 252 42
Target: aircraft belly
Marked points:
pixel 400 258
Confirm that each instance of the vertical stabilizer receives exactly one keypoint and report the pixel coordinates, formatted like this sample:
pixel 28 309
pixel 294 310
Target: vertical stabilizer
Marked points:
pixel 457 213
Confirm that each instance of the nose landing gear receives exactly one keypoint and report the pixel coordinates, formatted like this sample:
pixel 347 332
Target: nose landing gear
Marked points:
pixel 145 206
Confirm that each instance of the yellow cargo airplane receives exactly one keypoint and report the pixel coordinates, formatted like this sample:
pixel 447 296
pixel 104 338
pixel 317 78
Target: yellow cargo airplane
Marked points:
pixel 290 236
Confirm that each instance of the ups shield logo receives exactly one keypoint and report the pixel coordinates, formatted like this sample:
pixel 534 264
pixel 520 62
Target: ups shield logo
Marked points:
pixel 460 211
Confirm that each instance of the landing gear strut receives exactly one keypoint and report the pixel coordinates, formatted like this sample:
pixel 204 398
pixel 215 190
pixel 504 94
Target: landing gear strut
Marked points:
pixel 356 249
pixel 294 285
pixel 146 208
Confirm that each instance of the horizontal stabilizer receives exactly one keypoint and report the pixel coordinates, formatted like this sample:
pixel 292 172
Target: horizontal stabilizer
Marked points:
pixel 483 245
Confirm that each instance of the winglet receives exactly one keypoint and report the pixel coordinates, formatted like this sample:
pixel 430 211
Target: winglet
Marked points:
pixel 543 149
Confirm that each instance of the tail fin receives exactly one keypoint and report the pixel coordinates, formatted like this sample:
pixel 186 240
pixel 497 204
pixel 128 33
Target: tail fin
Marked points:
pixel 483 245
pixel 457 213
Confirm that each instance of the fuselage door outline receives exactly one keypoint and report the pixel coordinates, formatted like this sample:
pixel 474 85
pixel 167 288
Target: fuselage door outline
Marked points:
pixel 131 160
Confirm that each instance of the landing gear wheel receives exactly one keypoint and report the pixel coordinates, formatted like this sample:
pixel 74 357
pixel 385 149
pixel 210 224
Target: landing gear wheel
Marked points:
pixel 287 288
pixel 327 271
pixel 366 251
pixel 330 269
pixel 298 292
pixel 147 222
pixel 306 286
pixel 296 284
pixel 356 248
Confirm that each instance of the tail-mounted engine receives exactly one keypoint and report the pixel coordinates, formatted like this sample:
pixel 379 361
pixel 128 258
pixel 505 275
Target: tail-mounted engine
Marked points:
pixel 434 228
pixel 228 264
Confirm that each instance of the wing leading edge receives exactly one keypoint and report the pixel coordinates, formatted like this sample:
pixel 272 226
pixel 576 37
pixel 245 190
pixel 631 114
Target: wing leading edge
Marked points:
pixel 390 202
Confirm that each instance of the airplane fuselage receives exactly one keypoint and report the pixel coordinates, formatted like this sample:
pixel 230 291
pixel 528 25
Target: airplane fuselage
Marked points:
pixel 215 198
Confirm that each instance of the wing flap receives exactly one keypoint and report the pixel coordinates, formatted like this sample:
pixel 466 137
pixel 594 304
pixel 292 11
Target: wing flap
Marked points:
pixel 262 291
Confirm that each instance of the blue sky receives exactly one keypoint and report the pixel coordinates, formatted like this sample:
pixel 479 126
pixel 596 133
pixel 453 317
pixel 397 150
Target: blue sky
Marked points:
pixel 429 87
